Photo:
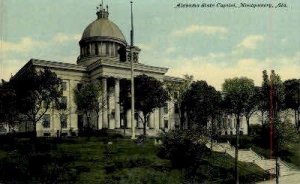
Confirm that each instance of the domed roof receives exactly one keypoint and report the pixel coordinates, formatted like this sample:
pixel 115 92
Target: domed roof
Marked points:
pixel 103 27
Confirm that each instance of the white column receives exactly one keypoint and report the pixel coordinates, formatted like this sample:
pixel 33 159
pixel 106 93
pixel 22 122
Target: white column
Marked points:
pixel 161 117
pixel 156 118
pixel 128 116
pixel 117 103
pixel 151 120
pixel 104 105
pixel 100 115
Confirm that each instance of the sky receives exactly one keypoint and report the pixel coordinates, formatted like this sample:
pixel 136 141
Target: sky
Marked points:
pixel 211 44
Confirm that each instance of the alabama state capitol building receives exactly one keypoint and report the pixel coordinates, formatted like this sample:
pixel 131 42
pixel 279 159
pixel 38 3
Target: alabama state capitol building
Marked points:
pixel 104 57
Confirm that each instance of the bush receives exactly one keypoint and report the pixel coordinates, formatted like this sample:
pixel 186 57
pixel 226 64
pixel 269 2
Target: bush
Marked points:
pixel 181 148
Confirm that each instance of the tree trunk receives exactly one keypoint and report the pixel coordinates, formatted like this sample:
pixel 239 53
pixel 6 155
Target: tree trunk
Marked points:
pixel 262 118
pixel 145 124
pixel 211 134
pixel 296 117
pixel 237 131
pixel 297 123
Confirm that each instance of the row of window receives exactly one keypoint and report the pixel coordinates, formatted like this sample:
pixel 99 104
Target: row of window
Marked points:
pixel 108 49
pixel 63 121
pixel 62 105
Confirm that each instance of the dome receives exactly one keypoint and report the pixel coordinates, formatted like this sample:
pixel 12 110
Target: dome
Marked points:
pixel 103 28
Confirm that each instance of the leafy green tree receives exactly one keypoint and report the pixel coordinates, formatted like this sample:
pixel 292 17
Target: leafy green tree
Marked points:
pixel 176 90
pixel 201 102
pixel 149 94
pixel 237 94
pixel 263 103
pixel 87 100
pixel 8 110
pixel 276 102
pixel 252 106
pixel 35 91
pixel 292 97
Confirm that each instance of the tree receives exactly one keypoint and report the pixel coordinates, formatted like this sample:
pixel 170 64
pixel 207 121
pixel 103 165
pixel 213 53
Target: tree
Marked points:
pixel 176 90
pixel 87 100
pixel 149 94
pixel 263 103
pixel 201 102
pixel 35 91
pixel 237 94
pixel 292 97
pixel 276 102
pixel 252 105
pixel 8 110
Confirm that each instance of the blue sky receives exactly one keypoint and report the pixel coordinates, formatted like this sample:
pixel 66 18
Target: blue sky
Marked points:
pixel 210 43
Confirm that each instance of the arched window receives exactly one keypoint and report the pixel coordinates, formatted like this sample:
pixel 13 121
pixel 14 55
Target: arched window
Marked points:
pixel 107 49
pixel 96 49
pixel 122 53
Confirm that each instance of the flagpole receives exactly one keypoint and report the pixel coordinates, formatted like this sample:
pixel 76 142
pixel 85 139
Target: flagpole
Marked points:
pixel 132 78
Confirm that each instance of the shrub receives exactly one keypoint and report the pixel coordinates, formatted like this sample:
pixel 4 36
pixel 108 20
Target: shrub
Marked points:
pixel 182 148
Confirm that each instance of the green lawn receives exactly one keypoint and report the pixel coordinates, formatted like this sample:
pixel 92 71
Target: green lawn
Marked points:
pixel 83 160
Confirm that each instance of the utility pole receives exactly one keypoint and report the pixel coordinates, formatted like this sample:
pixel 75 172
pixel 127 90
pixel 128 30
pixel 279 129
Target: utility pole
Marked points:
pixel 132 77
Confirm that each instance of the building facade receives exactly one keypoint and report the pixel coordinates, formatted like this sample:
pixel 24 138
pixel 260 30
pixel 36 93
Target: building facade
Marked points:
pixel 105 57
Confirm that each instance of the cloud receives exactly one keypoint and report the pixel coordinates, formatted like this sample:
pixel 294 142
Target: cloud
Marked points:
pixel 26 44
pixel 170 50
pixel 250 42
pixel 62 38
pixel 205 29
pixel 144 47
pixel 210 69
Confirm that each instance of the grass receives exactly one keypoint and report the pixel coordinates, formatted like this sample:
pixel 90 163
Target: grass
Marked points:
pixel 92 160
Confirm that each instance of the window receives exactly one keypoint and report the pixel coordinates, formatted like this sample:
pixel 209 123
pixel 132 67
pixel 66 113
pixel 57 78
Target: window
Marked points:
pixel 79 86
pixel 64 86
pixel 80 121
pixel 116 50
pixel 88 50
pixel 136 116
pixel 63 121
pixel 96 49
pixel 166 109
pixel 107 49
pixel 166 123
pixel 64 102
pixel 176 108
pixel 46 121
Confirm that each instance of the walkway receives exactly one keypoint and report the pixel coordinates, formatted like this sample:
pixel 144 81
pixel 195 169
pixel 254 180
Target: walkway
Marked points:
pixel 287 173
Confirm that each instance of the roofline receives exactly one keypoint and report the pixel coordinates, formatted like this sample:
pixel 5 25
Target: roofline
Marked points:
pixel 101 39
pixel 51 64
pixel 127 65
pixel 173 79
